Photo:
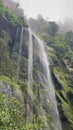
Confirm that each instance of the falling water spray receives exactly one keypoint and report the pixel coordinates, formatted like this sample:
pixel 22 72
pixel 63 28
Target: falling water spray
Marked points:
pixel 48 87
pixel 30 97
pixel 20 53
pixel 46 82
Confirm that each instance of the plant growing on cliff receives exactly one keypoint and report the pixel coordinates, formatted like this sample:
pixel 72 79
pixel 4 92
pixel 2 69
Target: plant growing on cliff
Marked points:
pixel 10 16
pixel 12 115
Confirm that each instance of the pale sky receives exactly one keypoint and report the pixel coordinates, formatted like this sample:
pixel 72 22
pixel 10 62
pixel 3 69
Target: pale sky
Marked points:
pixel 56 10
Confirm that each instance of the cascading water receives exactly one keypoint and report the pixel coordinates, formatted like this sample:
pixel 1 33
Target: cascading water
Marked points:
pixel 11 65
pixel 30 60
pixel 47 100
pixel 49 88
pixel 30 78
pixel 20 51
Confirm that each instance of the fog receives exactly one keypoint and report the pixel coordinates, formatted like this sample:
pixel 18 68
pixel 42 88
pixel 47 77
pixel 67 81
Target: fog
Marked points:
pixel 56 10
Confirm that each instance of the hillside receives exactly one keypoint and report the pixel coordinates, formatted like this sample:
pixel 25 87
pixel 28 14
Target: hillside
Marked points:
pixel 59 49
pixel 24 106
pixel 61 53
pixel 14 7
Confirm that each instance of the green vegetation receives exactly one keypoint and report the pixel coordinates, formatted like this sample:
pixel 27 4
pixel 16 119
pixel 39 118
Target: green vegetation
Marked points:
pixel 59 48
pixel 13 87
pixel 10 16
pixel 13 19
pixel 12 115
pixel 12 109
pixel 61 53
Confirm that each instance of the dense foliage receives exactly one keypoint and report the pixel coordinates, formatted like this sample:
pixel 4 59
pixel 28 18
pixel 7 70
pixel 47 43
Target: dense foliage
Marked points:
pixel 60 49
pixel 13 72
pixel 10 16
pixel 12 115
pixel 12 110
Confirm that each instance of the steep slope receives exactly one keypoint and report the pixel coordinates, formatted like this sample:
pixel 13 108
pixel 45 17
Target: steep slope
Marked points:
pixel 14 7
pixel 14 74
pixel 59 48
pixel 60 51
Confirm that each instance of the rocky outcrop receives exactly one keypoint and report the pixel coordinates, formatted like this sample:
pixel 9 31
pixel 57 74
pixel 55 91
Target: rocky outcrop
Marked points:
pixel 14 31
pixel 11 91
pixel 5 25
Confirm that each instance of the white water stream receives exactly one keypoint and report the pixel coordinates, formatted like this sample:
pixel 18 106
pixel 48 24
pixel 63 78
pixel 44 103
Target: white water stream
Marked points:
pixel 50 98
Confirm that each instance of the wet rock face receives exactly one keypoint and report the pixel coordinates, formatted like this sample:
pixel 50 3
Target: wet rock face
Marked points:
pixel 5 25
pixel 57 81
pixel 10 91
pixel 5 88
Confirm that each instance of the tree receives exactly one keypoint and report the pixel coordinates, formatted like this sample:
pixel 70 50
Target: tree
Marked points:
pixel 53 28
pixel 39 25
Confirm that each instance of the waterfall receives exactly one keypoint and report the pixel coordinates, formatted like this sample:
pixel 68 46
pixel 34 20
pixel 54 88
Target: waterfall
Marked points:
pixel 11 64
pixel 20 53
pixel 38 60
pixel 30 60
pixel 30 78
pixel 49 88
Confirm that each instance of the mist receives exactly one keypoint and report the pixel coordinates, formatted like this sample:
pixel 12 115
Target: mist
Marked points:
pixel 55 10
